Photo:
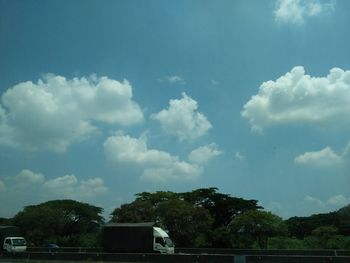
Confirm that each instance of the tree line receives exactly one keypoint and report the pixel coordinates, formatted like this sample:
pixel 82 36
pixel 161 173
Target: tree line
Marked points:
pixel 201 218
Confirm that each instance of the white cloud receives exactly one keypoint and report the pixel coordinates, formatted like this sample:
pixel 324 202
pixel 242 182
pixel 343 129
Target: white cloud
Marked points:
pixel 315 205
pixel 182 119
pixel 204 153
pixel 56 112
pixel 310 200
pixel 157 165
pixel 296 11
pixel 28 187
pixel 296 98
pixel 27 176
pixel 338 201
pixel 92 187
pixel 68 186
pixel 172 79
pixel 325 157
pixel 64 186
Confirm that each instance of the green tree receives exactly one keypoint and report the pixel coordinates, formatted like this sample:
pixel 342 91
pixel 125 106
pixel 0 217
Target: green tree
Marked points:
pixel 188 226
pixel 323 235
pixel 143 208
pixel 136 212
pixel 61 221
pixel 255 227
pixel 301 227
pixel 222 207
pixel 344 220
pixel 197 218
pixel 282 242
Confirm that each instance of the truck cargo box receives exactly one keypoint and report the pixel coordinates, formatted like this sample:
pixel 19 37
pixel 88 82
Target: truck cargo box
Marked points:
pixel 128 237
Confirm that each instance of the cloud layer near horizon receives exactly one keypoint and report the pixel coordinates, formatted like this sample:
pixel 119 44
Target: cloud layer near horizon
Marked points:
pixel 27 182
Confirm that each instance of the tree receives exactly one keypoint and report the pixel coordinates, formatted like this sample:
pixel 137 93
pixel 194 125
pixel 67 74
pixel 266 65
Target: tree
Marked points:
pixel 344 220
pixel 60 221
pixel 136 212
pixel 323 235
pixel 255 226
pixel 143 209
pixel 222 207
pixel 197 218
pixel 188 226
pixel 301 227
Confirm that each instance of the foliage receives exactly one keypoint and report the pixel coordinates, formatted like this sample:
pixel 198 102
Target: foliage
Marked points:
pixel 187 225
pixel 222 207
pixel 255 227
pixel 59 221
pixel 193 219
pixel 200 218
pixel 283 242
pixel 301 227
pixel 344 220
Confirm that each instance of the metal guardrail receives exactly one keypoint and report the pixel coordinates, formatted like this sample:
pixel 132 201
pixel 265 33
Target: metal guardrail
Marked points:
pixel 225 251
pixel 237 256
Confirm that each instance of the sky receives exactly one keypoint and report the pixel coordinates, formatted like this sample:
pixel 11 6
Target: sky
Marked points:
pixel 100 100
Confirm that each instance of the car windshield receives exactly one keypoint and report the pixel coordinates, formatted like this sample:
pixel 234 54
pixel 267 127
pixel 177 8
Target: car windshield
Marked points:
pixel 18 242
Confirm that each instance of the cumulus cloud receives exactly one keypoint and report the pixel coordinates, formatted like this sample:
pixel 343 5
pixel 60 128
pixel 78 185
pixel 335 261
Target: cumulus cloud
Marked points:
pixel 297 98
pixel 333 202
pixel 204 153
pixel 157 165
pixel 67 186
pixel 296 11
pixel 324 157
pixel 310 200
pixel 338 200
pixel 28 187
pixel 56 112
pixel 182 119
pixel 28 176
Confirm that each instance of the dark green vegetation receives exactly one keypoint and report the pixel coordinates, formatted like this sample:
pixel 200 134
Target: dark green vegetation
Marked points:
pixel 66 222
pixel 201 218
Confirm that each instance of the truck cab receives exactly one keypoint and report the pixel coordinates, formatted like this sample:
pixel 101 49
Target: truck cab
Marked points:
pixel 15 244
pixel 162 243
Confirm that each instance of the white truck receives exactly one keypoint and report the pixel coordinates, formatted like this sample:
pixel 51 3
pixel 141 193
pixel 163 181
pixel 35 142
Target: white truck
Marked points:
pixel 135 238
pixel 10 239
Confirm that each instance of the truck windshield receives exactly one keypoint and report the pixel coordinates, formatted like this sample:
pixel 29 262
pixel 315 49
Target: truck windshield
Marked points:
pixel 18 242
pixel 168 242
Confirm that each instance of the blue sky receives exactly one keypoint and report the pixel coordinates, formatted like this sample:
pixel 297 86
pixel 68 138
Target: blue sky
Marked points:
pixel 100 100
